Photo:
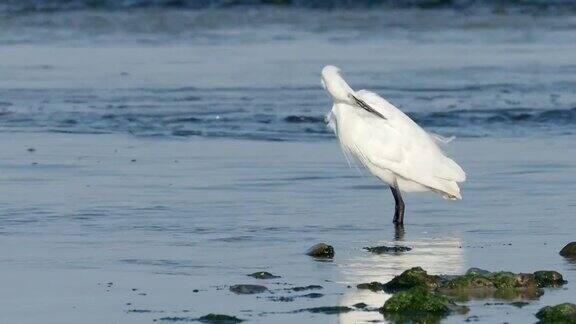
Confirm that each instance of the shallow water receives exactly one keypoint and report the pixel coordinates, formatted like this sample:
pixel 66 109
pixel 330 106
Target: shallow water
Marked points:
pixel 202 214
pixel 167 161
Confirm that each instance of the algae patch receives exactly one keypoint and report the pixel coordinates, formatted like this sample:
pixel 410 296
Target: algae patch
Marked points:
pixel 561 314
pixel 419 304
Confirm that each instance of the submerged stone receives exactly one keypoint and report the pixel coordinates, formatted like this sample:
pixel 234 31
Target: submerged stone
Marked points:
pixel 413 277
pixel 519 304
pixel 387 249
pixel 372 286
pixel 321 250
pixel 247 289
pixel 569 250
pixel 562 314
pixel 420 301
pixel 263 275
pixel 304 288
pixel 548 278
pixel 360 305
pixel 210 318
pixel 219 319
pixel 329 310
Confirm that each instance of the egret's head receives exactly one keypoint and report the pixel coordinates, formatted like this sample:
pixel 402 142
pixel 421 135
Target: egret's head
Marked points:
pixel 333 82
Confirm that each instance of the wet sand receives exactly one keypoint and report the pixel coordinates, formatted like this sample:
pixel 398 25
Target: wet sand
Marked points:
pixel 166 217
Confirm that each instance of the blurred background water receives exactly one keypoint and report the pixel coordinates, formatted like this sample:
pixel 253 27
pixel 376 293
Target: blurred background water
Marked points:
pixel 167 146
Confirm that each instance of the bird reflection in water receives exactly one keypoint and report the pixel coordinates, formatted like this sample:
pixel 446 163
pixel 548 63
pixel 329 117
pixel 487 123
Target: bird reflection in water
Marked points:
pixel 437 255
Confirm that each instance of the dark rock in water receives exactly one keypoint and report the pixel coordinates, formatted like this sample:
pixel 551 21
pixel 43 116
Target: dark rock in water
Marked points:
pixel 312 295
pixel 292 298
pixel 328 310
pixel 519 304
pixel 569 250
pixel 284 299
pixel 210 318
pixel 372 286
pixel 478 271
pixel 549 279
pixel 175 319
pixel 360 305
pixel 219 319
pixel 419 305
pixel 563 313
pixel 263 275
pixel 303 288
pixel 387 249
pixel 247 289
pixel 321 250
pixel 413 277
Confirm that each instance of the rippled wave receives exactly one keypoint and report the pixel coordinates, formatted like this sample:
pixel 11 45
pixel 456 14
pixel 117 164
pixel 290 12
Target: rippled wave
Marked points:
pixel 248 113
pixel 62 5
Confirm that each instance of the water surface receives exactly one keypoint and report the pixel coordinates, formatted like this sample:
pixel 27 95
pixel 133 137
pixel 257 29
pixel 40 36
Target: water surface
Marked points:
pixel 142 161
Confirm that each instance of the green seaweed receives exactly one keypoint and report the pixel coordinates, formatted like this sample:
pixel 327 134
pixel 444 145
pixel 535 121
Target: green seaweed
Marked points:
pixel 559 314
pixel 468 281
pixel 547 278
pixel 372 286
pixel 413 277
pixel 417 300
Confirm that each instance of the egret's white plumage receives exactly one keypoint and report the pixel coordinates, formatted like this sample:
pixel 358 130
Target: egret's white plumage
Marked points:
pixel 387 142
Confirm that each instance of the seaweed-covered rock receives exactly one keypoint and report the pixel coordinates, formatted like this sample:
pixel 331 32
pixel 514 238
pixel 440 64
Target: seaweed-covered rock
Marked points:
pixel 420 301
pixel 546 278
pixel 569 250
pixel 372 286
pixel 559 314
pixel 263 275
pixel 510 280
pixel 413 277
pixel 321 250
pixel 387 249
pixel 247 289
pixel 468 281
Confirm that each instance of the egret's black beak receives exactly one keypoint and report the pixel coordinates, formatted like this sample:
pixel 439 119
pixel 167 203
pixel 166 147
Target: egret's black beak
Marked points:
pixel 367 107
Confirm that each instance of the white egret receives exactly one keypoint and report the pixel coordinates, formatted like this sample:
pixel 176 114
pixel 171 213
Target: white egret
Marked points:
pixel 388 143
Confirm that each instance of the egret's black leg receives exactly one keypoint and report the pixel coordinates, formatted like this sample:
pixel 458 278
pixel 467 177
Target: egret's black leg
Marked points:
pixel 399 211
pixel 399 232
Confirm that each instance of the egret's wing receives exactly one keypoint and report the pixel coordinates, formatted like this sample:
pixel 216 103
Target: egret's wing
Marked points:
pixel 401 146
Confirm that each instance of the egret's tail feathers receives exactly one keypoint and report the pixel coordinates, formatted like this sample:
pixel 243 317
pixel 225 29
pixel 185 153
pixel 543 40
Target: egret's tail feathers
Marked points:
pixel 449 170
pixel 442 139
